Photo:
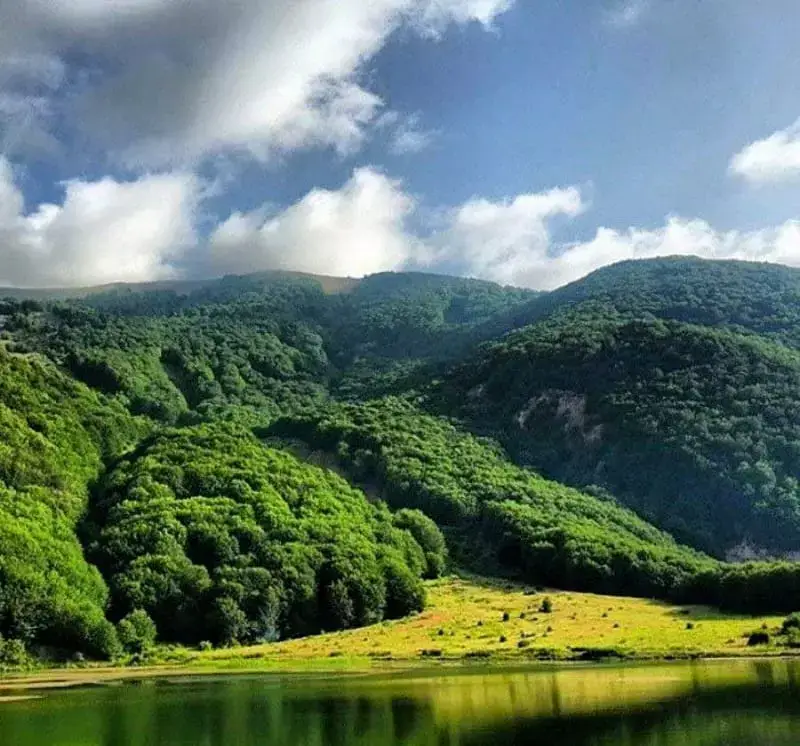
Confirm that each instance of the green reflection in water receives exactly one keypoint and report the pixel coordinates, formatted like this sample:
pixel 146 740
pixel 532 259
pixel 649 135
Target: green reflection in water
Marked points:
pixel 733 703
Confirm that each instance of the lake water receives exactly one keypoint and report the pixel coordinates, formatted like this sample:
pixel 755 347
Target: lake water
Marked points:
pixel 736 703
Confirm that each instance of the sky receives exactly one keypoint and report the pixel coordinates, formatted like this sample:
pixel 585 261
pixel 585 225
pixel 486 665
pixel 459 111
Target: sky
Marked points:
pixel 528 142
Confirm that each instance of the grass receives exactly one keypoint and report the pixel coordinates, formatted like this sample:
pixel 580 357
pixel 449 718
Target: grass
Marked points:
pixel 478 619
pixel 473 621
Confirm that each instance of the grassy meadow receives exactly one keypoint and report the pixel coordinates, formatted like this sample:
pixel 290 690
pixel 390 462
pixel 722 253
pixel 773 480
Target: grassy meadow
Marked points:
pixel 476 619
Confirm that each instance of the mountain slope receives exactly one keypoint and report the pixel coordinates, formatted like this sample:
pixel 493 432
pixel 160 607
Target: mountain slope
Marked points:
pixel 695 428
pixel 54 437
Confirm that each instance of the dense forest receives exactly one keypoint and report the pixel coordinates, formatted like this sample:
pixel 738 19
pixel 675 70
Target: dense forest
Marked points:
pixel 268 456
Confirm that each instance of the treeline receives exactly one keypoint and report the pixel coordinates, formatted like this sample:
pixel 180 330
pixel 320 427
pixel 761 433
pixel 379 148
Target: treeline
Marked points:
pixel 504 519
pixel 218 538
pixel 697 429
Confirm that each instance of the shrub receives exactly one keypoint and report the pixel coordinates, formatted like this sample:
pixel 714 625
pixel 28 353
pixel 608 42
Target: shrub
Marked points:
pixel 791 622
pixel 137 632
pixel 405 593
pixel 758 638
pixel 13 655
pixel 546 606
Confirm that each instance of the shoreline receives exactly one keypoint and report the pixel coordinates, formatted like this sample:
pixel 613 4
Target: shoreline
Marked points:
pixel 470 623
pixel 90 676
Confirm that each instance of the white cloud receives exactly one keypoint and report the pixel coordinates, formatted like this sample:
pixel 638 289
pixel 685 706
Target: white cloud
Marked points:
pixel 365 227
pixel 104 231
pixel 774 158
pixel 111 231
pixel 171 82
pixel 627 13
pixel 508 242
pixel 678 236
pixel 407 136
pixel 357 230
pixel 432 16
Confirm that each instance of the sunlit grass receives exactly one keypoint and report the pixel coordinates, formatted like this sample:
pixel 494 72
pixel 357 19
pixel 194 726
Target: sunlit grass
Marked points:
pixel 476 619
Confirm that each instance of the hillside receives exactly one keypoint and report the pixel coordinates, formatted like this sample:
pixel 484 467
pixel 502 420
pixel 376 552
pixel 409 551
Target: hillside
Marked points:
pixel 267 456
pixel 695 428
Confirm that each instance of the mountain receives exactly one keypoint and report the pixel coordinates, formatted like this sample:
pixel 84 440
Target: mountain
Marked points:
pixel 271 455
pixel 672 383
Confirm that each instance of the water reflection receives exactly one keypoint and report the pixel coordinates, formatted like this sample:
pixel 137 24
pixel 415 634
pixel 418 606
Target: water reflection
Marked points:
pixel 733 703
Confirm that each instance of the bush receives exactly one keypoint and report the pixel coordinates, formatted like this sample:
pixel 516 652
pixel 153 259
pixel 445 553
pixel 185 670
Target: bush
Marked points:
pixel 434 653
pixel 793 639
pixel 758 638
pixel 137 632
pixel 13 655
pixel 546 606
pixel 791 622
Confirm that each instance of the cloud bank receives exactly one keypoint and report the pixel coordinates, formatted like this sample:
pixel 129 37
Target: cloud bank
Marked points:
pixel 365 227
pixel 146 229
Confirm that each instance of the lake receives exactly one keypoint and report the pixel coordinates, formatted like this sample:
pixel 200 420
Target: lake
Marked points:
pixel 732 703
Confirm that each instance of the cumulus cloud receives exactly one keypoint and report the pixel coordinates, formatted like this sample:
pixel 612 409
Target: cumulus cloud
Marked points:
pixel 432 16
pixel 775 158
pixel 103 231
pixel 508 242
pixel 679 236
pixel 357 230
pixel 174 81
pixel 113 231
pixel 366 227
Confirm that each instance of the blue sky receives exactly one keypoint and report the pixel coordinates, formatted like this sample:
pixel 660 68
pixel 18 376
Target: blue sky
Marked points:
pixel 523 141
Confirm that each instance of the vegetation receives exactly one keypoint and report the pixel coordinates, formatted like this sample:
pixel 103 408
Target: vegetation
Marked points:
pixel 157 451
pixel 54 434
pixel 697 429
pixel 218 538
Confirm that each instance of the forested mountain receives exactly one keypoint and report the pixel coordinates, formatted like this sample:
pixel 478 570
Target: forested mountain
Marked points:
pixel 157 463
pixel 697 429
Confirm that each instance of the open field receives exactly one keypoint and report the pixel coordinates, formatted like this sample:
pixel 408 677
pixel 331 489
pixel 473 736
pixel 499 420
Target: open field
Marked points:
pixel 474 618
pixel 470 621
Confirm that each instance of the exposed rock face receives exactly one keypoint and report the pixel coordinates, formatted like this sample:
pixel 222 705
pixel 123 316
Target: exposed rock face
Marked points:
pixel 748 552
pixel 568 409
